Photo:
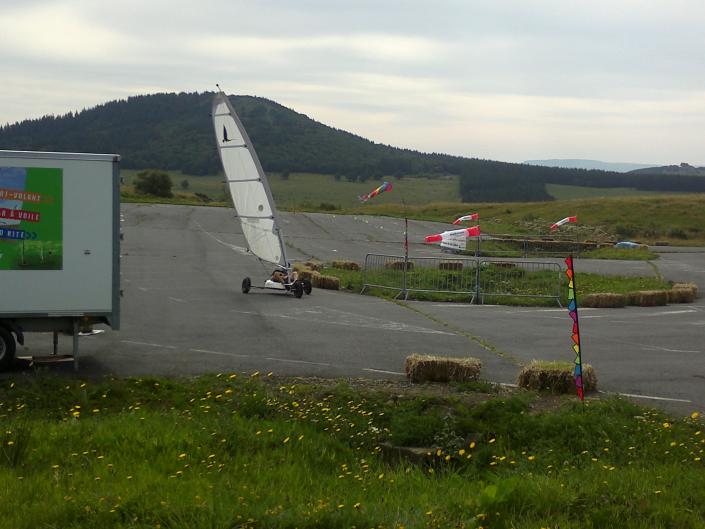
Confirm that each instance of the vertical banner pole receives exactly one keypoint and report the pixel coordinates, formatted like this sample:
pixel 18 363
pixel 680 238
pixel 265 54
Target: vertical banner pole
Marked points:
pixel 573 311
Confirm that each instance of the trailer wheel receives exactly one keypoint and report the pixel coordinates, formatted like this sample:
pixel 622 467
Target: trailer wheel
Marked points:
pixel 246 284
pixel 307 286
pixel 7 349
pixel 298 289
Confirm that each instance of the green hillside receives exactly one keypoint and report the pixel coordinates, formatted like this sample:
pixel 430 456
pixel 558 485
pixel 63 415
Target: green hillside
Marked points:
pixel 648 219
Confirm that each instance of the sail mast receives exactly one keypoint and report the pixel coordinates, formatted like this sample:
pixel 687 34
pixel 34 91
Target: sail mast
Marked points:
pixel 249 189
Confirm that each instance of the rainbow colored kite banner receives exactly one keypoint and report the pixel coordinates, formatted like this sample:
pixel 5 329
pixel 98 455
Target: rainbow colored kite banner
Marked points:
pixel 386 186
pixel 573 311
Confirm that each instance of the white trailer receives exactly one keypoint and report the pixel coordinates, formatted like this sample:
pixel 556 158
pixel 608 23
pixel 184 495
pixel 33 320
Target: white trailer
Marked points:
pixel 59 245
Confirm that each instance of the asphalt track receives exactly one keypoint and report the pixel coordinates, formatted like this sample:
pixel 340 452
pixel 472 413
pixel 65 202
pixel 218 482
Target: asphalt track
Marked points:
pixel 183 313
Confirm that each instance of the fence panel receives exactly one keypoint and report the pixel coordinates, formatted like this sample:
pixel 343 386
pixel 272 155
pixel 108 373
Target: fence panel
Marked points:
pixel 458 275
pixel 520 279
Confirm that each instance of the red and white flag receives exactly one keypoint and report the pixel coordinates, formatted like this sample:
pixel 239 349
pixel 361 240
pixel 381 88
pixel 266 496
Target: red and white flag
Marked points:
pixel 555 225
pixel 447 235
pixel 472 216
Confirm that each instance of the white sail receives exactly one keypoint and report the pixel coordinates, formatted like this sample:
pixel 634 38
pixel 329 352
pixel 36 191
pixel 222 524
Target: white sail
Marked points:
pixel 248 184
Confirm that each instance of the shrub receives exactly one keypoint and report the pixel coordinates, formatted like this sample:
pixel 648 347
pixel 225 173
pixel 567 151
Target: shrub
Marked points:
pixel 677 233
pixel 626 230
pixel 152 182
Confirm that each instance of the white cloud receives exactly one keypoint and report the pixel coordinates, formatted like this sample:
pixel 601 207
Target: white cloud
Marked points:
pixel 368 46
pixel 508 80
pixel 56 32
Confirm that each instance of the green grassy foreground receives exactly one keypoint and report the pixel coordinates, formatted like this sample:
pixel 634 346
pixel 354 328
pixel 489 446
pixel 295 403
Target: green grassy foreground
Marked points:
pixel 235 451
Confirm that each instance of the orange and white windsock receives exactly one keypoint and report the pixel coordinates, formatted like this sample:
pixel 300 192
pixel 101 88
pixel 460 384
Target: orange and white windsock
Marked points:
pixel 446 235
pixel 472 216
pixel 555 225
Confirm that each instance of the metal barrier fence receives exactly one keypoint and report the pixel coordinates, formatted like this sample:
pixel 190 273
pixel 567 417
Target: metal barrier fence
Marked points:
pixel 477 278
pixel 530 279
pixel 457 275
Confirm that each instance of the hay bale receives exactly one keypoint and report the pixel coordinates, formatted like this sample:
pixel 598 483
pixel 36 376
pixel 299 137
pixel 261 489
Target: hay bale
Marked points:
pixel 309 274
pixel 603 300
pixel 557 377
pixel 316 266
pixel 453 266
pixel 399 265
pixel 687 286
pixel 325 282
pixel 345 265
pixel 430 368
pixel 501 264
pixel 648 298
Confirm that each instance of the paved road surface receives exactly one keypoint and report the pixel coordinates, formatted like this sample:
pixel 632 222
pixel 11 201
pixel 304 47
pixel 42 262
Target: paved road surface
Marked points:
pixel 183 313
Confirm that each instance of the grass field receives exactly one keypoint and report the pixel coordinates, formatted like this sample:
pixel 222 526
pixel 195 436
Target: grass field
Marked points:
pixel 306 191
pixel 675 219
pixel 562 192
pixel 232 451
pixel 678 219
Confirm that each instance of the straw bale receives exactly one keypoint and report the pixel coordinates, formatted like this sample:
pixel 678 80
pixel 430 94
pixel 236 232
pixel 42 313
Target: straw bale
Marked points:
pixel 689 286
pixel 681 295
pixel 308 274
pixel 314 265
pixel 455 266
pixel 603 300
pixel 555 376
pixel 325 282
pixel 431 368
pixel 399 265
pixel 502 264
pixel 648 298
pixel 345 265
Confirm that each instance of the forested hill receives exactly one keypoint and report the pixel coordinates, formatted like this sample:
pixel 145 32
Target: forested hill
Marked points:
pixel 174 132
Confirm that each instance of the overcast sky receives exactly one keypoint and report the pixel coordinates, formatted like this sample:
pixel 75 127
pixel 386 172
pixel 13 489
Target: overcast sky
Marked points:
pixel 615 80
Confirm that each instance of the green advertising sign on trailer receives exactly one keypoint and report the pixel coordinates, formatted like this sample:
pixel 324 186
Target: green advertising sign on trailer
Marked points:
pixel 31 218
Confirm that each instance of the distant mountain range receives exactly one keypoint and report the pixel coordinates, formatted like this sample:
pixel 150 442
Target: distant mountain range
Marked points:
pixel 683 169
pixel 619 167
pixel 174 132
